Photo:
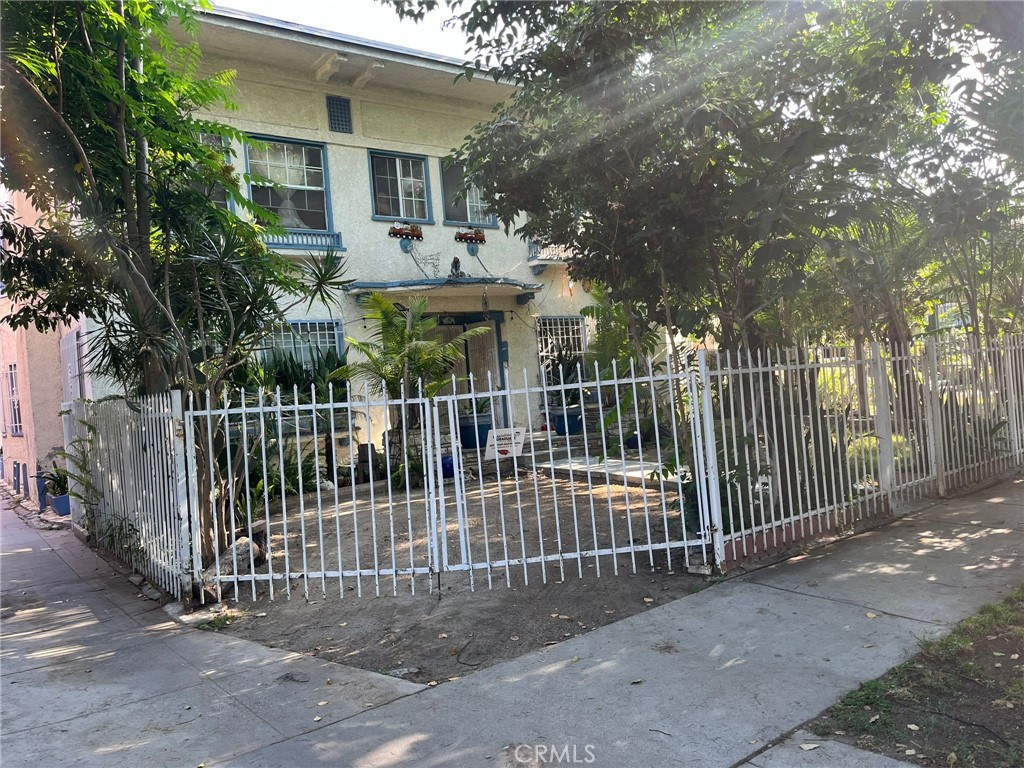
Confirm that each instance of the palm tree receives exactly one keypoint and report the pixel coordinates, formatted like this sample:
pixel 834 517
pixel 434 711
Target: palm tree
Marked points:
pixel 405 356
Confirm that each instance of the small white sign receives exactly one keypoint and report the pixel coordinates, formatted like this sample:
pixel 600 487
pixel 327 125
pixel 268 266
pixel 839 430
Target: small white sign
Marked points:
pixel 504 443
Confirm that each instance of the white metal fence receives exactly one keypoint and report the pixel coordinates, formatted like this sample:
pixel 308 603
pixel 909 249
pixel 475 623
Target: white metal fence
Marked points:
pixel 735 457
pixel 127 483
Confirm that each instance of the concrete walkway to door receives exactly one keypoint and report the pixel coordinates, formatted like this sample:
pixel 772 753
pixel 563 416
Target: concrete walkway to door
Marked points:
pixel 93 675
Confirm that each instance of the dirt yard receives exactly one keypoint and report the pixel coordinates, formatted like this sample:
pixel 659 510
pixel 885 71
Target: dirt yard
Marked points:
pixel 449 634
pixel 957 703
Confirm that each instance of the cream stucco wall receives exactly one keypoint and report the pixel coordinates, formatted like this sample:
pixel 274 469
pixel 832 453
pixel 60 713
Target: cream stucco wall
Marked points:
pixel 289 103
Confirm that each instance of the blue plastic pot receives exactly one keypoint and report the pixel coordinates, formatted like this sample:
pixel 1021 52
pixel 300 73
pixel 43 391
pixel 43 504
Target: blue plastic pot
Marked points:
pixel 569 421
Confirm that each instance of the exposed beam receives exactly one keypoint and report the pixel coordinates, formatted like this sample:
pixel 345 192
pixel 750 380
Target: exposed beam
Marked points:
pixel 326 66
pixel 367 74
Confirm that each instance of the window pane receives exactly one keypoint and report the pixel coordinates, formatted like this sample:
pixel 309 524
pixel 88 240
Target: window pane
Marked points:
pixel 385 187
pixel 297 170
pixel 454 205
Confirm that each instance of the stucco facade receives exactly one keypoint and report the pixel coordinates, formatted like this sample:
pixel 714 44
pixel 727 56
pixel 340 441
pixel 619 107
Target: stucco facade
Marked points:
pixel 31 433
pixel 404 105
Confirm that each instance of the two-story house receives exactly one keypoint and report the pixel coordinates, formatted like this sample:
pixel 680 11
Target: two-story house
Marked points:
pixel 354 134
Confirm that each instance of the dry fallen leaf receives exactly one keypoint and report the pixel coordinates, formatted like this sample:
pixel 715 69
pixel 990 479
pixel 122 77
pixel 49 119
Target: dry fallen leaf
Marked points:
pixel 809 747
pixel 1014 656
pixel 991 637
pixel 951 758
pixel 913 727
pixel 873 719
pixel 453 651
pixel 871 615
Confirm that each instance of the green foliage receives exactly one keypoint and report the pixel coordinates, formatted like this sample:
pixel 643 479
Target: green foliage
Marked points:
pixel 56 480
pixel 121 538
pixel 405 353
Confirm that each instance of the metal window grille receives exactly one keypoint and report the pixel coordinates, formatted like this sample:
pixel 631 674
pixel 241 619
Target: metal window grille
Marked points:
pixel 304 339
pixel 559 335
pixel 14 399
pixel 339 114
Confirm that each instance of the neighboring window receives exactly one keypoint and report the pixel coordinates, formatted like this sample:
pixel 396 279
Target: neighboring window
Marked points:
pixel 70 363
pixel 299 194
pixel 400 189
pixel 339 114
pixel 14 399
pixel 304 339
pixel 462 206
pixel 565 336
pixel 218 194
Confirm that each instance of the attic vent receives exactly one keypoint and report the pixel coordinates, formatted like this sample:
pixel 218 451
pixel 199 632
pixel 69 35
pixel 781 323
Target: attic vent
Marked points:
pixel 339 114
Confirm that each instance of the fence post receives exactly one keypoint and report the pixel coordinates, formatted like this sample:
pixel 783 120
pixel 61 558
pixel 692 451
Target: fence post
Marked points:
pixel 1012 398
pixel 182 490
pixel 883 425
pixel 933 414
pixel 711 480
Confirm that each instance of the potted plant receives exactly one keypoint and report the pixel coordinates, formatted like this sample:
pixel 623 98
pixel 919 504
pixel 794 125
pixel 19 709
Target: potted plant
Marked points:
pixel 475 421
pixel 56 481
pixel 565 408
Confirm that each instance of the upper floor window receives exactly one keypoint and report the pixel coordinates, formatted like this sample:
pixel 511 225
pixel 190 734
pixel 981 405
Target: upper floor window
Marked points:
pixel 463 206
pixel 297 173
pixel 400 187
pixel 14 399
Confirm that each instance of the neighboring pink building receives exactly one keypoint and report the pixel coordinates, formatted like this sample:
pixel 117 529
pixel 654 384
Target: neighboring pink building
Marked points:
pixel 31 392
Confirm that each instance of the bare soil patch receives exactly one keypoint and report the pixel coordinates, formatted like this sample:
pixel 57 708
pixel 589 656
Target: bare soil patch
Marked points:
pixel 959 702
pixel 452 632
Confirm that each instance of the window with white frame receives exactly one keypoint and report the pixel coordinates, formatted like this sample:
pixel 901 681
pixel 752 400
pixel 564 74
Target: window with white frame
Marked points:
pixel 290 180
pixel 305 339
pixel 13 400
pixel 400 186
pixel 462 206
pixel 560 337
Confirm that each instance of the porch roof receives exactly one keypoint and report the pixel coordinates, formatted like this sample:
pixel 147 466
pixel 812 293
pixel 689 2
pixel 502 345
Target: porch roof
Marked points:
pixel 448 286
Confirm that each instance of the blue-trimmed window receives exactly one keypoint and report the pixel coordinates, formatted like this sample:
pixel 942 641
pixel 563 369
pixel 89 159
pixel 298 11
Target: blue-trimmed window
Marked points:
pixel 463 205
pixel 290 179
pixel 305 338
pixel 400 187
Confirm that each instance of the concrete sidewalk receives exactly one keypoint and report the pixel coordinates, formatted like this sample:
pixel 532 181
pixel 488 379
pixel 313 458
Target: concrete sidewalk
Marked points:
pixel 93 675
